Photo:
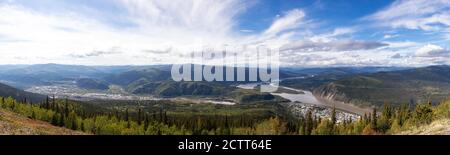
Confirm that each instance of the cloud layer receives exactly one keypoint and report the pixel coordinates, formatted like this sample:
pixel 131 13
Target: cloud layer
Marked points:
pixel 431 50
pixel 139 32
pixel 415 14
pixel 337 45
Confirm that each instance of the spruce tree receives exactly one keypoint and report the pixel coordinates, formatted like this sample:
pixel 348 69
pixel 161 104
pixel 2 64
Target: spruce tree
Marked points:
pixel 146 122
pixel 54 119
pixel 74 124
pixel 374 118
pixel 66 107
pixel 53 103
pixel 47 104
pixel 387 111
pixel 139 117
pixel 33 115
pixel 333 116
pixel 82 125
pixel 308 123
pixel 3 105
pixel 165 117
pixel 127 119
pixel 128 124
pixel 117 115
pixel 126 114
pixel 160 115
pixel 61 120
pixel 13 106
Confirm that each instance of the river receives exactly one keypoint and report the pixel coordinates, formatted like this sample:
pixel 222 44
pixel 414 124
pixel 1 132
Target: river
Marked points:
pixel 308 97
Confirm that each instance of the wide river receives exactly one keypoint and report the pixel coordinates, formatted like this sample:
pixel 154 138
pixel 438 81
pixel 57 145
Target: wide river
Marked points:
pixel 307 97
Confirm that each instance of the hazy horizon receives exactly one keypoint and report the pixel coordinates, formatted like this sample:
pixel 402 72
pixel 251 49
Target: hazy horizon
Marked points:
pixel 285 66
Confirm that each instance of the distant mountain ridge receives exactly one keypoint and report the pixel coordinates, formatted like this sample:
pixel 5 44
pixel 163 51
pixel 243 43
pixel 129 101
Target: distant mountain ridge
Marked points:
pixel 89 83
pixel 418 85
pixel 156 79
pixel 8 91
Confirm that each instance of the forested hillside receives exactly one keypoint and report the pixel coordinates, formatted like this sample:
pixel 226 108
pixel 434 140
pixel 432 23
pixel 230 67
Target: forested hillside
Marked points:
pixel 413 86
pixel 159 118
pixel 6 90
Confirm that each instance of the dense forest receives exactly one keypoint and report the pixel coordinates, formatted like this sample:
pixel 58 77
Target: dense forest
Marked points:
pixel 142 121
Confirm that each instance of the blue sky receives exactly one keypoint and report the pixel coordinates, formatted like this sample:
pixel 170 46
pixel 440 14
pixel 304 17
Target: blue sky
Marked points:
pixel 309 33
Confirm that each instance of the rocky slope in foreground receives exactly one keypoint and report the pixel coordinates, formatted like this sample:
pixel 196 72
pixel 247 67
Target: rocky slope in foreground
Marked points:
pixel 438 127
pixel 14 124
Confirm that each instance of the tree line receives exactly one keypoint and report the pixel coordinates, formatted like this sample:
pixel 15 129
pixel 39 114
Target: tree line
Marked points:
pixel 70 114
pixel 390 120
pixel 137 121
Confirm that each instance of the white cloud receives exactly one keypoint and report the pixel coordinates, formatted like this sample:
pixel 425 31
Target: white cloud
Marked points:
pixel 289 21
pixel 345 58
pixel 75 38
pixel 156 24
pixel 336 45
pixel 428 15
pixel 431 50
pixel 188 15
pixel 402 44
pixel 158 31
pixel 331 36
pixel 389 36
pixel 342 31
pixel 396 56
pixel 246 31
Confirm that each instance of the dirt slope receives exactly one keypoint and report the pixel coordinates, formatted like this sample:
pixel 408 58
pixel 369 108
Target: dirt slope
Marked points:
pixel 14 124
pixel 438 127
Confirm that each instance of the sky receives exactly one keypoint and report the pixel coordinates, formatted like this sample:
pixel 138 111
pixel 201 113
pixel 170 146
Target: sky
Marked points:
pixel 308 33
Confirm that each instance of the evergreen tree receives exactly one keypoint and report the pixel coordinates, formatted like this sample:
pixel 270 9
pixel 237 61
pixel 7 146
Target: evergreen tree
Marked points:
pixel 160 115
pixel 66 107
pixel 47 104
pixel 423 114
pixel 374 118
pixel 33 115
pixel 387 111
pixel 61 120
pixel 146 121
pixel 3 104
pixel 82 126
pixel 53 103
pixel 13 105
pixel 126 114
pixel 333 116
pixel 74 124
pixel 55 119
pixel 127 119
pixel 117 115
pixel 139 117
pixel 309 123
pixel 365 119
pixel 226 128
pixel 165 117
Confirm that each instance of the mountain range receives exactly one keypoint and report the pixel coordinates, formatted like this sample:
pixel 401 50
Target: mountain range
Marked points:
pixel 8 91
pixel 410 86
pixel 366 86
